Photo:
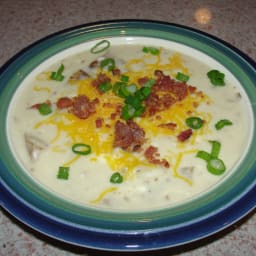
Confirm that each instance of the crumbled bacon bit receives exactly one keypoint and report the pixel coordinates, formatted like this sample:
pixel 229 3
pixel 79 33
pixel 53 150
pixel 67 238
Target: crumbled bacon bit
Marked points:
pixel 64 102
pixel 158 73
pixel 142 80
pixel 170 126
pixel 37 105
pixel 128 136
pixel 79 75
pixel 108 105
pixel 116 72
pixel 99 122
pixel 191 89
pixel 185 135
pixel 165 92
pixel 152 155
pixel 83 107
pixel 94 64
pixel 113 116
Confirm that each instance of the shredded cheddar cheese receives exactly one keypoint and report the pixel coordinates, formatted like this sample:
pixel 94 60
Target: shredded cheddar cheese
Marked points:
pixel 103 194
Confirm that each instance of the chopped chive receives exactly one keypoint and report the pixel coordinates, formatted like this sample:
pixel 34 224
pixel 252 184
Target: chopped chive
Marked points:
pixel 117 86
pixel 194 122
pixel 216 166
pixel 128 112
pixel 108 63
pixel 58 76
pixel 116 178
pixel 124 78
pixel 215 148
pixel 152 50
pixel 203 155
pixel 44 109
pixel 182 77
pixel 133 101
pixel 100 46
pixel 104 87
pixel 220 124
pixel 63 173
pixel 149 83
pixel 81 149
pixel 216 77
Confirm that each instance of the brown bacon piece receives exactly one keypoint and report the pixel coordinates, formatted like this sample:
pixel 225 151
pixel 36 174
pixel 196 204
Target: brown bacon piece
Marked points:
pixel 116 72
pixel 79 75
pixel 185 135
pixel 94 64
pixel 142 80
pixel 99 122
pixel 64 102
pixel 152 155
pixel 128 136
pixel 170 126
pixel 37 105
pixel 156 103
pixel 83 107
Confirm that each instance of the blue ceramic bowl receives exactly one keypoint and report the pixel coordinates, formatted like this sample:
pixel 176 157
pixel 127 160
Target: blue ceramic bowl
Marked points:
pixel 119 231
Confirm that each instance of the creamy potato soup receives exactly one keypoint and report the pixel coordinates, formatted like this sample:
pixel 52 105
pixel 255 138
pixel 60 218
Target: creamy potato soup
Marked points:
pixel 129 126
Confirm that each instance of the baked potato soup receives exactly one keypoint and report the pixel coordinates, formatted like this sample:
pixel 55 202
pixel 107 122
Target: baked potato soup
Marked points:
pixel 129 126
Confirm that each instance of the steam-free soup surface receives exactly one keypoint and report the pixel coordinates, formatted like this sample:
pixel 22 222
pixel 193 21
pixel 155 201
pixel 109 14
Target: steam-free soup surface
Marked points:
pixel 74 129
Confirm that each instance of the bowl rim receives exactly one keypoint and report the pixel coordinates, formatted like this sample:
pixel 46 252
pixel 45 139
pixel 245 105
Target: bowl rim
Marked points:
pixel 132 225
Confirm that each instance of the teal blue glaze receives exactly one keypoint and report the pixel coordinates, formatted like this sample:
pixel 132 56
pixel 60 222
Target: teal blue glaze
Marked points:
pixel 55 207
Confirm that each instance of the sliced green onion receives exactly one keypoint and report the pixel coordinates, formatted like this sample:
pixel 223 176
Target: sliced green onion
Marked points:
pixel 182 77
pixel 128 112
pixel 63 173
pixel 145 91
pixel 149 83
pixel 131 88
pixel 108 63
pixel 194 122
pixel 220 124
pixel 203 155
pixel 117 86
pixel 81 149
pixel 133 101
pixel 152 50
pixel 58 76
pixel 124 78
pixel 126 90
pixel 139 111
pixel 100 47
pixel 104 87
pixel 216 77
pixel 116 178
pixel 216 166
pixel 44 109
pixel 215 148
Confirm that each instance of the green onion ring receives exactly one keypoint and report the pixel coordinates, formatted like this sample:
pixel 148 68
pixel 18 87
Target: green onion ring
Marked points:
pixel 97 48
pixel 215 148
pixel 116 178
pixel 194 122
pixel 220 124
pixel 203 155
pixel 216 166
pixel 81 149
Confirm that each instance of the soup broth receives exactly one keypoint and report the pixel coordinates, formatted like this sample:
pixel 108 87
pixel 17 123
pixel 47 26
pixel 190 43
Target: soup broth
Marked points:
pixel 129 127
